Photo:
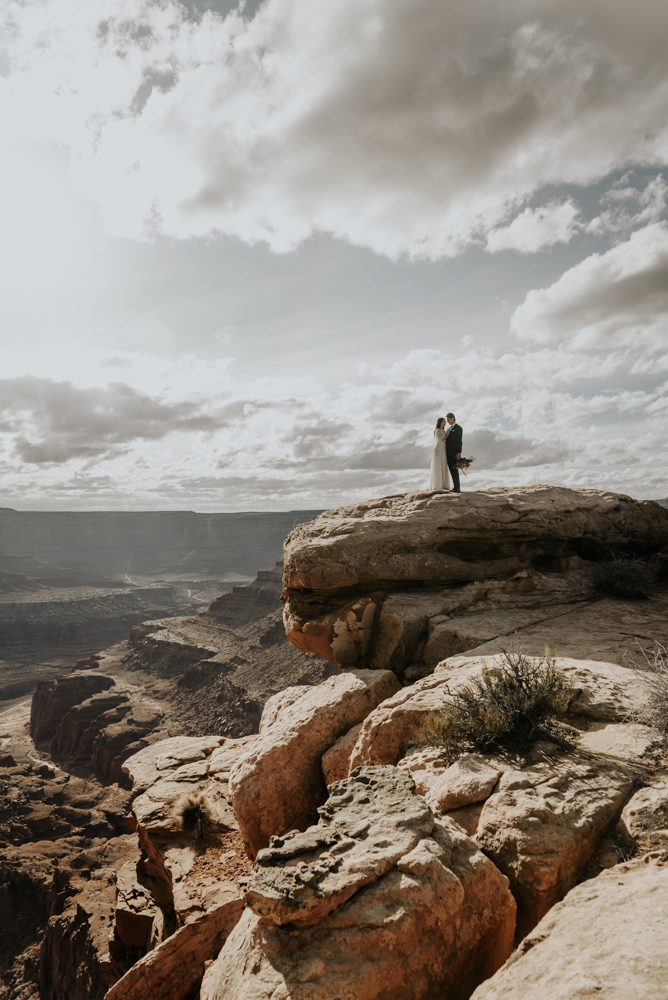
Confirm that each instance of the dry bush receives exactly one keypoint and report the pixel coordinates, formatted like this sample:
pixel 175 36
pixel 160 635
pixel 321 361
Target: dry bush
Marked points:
pixel 623 576
pixel 193 813
pixel 654 711
pixel 505 708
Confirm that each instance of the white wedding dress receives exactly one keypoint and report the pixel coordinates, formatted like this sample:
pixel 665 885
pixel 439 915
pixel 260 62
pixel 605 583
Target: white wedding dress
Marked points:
pixel 439 478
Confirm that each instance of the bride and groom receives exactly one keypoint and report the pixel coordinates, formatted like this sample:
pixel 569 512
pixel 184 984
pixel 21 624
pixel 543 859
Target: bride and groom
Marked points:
pixel 447 450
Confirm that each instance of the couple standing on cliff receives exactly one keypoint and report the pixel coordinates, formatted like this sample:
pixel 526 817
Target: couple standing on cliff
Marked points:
pixel 447 452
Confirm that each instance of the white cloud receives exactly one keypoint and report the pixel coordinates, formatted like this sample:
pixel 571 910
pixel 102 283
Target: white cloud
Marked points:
pixel 536 228
pixel 405 128
pixel 201 434
pixel 612 298
pixel 54 422
pixel 630 207
pixel 415 129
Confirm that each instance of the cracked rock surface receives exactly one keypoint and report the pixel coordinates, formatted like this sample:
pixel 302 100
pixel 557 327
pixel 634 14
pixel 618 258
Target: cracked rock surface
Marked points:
pixel 278 784
pixel 336 911
pixel 606 939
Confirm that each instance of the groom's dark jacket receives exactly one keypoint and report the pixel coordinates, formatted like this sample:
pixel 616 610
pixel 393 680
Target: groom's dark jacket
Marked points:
pixel 453 445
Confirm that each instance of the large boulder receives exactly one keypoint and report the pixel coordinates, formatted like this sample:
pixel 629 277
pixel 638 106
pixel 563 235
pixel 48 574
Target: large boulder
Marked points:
pixel 278 784
pixel 376 901
pixel 394 725
pixel 644 820
pixel 606 939
pixel 339 567
pixel 542 825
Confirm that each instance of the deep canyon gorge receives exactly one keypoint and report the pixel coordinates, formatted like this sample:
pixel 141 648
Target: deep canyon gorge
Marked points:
pixel 221 787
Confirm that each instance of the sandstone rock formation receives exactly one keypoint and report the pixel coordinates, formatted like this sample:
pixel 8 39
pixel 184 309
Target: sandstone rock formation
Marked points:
pixel 346 901
pixel 533 542
pixel 644 820
pixel 414 843
pixel 542 825
pixel 53 699
pixel 176 898
pixel 174 969
pixel 470 779
pixel 163 775
pixel 95 719
pixel 336 760
pixel 278 784
pixel 607 938
pixel 601 691
pixel 224 675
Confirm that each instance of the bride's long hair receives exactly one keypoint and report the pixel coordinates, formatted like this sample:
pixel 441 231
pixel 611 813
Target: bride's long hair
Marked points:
pixel 439 423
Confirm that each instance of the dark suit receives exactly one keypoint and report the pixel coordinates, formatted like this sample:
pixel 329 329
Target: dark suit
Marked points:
pixel 453 449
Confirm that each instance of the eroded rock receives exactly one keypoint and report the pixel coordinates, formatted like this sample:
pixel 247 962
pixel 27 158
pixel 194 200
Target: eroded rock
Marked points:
pixel 352 914
pixel 164 774
pixel 135 906
pixel 368 823
pixel 470 779
pixel 644 819
pixel 336 760
pixel 542 825
pixel 173 970
pixel 278 783
pixel 53 699
pixel 601 691
pixel 607 938
pixel 368 549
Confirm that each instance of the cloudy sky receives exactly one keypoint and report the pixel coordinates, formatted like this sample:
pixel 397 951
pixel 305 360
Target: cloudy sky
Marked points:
pixel 249 253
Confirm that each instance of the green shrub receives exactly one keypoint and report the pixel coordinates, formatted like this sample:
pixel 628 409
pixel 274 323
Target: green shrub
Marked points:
pixel 503 708
pixel 193 813
pixel 623 576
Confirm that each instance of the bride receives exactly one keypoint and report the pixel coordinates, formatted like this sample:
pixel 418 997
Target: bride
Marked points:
pixel 439 478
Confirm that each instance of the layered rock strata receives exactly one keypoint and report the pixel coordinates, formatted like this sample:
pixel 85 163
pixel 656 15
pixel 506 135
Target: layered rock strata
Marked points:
pixel 176 905
pixel 519 548
pixel 94 719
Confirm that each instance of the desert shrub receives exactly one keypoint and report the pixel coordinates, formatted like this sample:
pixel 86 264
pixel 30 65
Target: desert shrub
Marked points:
pixel 623 576
pixel 654 710
pixel 193 814
pixel 505 707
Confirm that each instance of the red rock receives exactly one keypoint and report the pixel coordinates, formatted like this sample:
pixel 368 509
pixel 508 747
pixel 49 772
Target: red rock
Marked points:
pixel 173 970
pixel 52 699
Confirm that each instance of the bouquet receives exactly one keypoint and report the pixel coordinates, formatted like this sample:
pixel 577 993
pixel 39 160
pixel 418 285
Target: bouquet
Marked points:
pixel 463 463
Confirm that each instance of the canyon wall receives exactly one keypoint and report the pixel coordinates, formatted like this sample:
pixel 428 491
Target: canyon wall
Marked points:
pixel 150 543
pixel 298 832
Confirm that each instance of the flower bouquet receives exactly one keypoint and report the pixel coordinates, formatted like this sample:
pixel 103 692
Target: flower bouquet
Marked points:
pixel 463 464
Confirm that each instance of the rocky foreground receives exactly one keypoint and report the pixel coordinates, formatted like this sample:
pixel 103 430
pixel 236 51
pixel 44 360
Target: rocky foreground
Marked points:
pixel 327 851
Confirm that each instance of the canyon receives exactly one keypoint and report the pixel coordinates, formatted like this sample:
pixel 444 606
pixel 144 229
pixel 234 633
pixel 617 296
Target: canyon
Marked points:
pixel 73 583
pixel 239 802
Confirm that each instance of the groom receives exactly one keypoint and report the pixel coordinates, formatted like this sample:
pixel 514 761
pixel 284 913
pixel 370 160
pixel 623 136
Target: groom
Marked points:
pixel 453 450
